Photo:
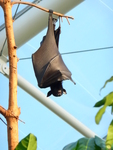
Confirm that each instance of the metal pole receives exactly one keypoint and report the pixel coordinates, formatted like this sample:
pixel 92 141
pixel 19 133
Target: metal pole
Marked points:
pixel 54 107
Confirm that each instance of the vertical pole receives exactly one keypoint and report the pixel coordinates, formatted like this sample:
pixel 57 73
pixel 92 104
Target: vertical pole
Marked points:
pixel 13 110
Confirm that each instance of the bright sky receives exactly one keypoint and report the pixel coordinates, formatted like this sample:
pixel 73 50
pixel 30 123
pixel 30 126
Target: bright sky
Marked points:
pixel 91 28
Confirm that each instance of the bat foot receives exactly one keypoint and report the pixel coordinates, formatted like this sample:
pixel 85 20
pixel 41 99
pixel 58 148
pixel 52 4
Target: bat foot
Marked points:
pixel 49 93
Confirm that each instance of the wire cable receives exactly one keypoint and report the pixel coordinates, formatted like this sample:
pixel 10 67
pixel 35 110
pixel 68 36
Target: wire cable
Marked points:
pixel 81 51
pixel 87 50
pixel 3 47
pixel 16 11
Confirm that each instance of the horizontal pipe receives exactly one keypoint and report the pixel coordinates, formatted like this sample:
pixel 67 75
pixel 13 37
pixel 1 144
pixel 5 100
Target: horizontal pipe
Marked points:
pixel 51 105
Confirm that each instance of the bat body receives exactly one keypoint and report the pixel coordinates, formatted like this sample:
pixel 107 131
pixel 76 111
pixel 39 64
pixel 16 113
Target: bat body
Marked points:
pixel 48 64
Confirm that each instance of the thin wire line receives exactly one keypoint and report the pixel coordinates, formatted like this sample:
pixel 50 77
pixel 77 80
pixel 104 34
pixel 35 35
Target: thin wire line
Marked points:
pixel 3 121
pixel 16 11
pixel 106 5
pixel 24 58
pixel 6 37
pixel 89 50
pixel 3 47
pixel 82 51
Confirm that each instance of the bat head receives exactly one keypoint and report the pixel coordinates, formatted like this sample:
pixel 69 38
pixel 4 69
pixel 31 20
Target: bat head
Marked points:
pixel 56 89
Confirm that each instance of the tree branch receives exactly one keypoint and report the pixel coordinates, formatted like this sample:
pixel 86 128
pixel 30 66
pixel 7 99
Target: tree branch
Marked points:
pixel 41 8
pixel 3 111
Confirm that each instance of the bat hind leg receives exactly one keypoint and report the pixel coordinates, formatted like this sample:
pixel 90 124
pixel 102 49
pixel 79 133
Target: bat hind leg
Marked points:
pixel 64 91
pixel 49 93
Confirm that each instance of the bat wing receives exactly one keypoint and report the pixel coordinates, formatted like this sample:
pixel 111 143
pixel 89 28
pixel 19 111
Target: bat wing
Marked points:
pixel 57 34
pixel 47 61
pixel 56 71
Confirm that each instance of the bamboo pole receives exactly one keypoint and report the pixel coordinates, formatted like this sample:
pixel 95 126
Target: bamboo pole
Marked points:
pixel 12 114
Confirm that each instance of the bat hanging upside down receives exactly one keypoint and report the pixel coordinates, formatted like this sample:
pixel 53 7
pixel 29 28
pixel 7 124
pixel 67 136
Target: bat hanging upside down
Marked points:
pixel 49 67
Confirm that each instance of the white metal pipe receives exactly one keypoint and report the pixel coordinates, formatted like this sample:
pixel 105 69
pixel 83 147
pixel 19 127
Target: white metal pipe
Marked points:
pixel 54 107
pixel 34 21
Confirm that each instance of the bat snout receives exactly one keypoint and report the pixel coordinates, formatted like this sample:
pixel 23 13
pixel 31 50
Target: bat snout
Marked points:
pixel 60 92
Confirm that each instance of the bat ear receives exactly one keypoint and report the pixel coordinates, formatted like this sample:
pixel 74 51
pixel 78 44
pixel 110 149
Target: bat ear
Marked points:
pixel 64 91
pixel 49 93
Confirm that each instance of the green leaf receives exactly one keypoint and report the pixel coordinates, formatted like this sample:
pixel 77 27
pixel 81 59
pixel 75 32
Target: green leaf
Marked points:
pixel 100 142
pixel 103 101
pixel 109 80
pixel 111 109
pixel 100 103
pixel 99 114
pixel 83 144
pixel 109 139
pixel 28 143
pixel 108 102
pixel 71 146
pixel 112 147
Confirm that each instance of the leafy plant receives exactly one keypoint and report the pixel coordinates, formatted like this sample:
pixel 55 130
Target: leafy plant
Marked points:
pixel 87 144
pixel 28 143
pixel 109 139
pixel 96 143
pixel 109 80
pixel 106 101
